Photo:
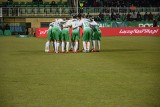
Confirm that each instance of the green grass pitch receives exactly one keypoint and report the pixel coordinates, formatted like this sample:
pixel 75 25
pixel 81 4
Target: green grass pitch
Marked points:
pixel 124 74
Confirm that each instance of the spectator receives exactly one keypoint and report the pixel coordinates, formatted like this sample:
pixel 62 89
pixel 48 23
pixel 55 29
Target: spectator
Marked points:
pixel 158 17
pixel 37 1
pixel 139 17
pixel 113 16
pixel 53 3
pixel 125 3
pixel 123 17
pixel 154 23
pixel 101 16
pixel 117 16
pixel 134 16
pixel 81 4
pixel 95 3
pixel 7 27
pixel 26 31
pixel 10 0
pixel 145 16
pixel 128 17
pixel 98 18
pixel 79 15
pixel 150 16
pixel 132 8
pixel 85 4
pixel 0 27
pixel 88 15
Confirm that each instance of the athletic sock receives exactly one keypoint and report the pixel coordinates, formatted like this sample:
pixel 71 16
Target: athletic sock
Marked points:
pixel 94 44
pixel 99 44
pixel 67 46
pixel 75 46
pixel 84 46
pixel 55 46
pixel 72 45
pixel 47 45
pixel 88 44
pixel 62 46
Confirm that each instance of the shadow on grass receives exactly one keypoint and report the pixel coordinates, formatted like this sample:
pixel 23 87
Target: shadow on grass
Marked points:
pixel 31 52
pixel 121 50
pixel 41 52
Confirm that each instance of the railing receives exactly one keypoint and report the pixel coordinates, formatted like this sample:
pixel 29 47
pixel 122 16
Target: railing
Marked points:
pixel 0 12
pixel 68 11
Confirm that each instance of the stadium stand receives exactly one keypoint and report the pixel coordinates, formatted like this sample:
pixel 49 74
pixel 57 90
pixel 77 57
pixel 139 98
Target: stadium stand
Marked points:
pixel 7 33
pixel 107 11
pixel 1 32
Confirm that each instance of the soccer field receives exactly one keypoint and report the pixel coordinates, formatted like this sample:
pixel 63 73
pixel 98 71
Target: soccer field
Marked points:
pixel 124 74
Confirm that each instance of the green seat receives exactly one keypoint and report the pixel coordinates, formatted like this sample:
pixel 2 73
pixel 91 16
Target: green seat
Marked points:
pixel 64 10
pixel 7 33
pixel 29 8
pixel 22 7
pixel 1 5
pixel 1 32
pixel 22 4
pixel 65 3
pixel 23 10
pixel 46 3
pixel 57 11
pixel 16 4
pixel 4 3
pixel 41 9
pixel 47 7
pixel 47 10
pixel 10 4
pixel 35 8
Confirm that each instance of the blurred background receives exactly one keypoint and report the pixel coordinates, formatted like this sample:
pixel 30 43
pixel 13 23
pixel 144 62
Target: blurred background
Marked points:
pixel 23 17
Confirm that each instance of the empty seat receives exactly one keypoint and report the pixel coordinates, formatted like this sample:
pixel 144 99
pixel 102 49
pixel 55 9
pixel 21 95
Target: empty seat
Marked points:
pixel 29 7
pixel 47 7
pixel 16 4
pixel 7 33
pixel 1 32
pixel 22 7
pixel 35 8
pixel 41 9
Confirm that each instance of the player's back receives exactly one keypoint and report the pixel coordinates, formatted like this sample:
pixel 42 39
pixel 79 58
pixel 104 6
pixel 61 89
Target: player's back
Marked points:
pixel 75 24
pixel 85 23
pixel 56 25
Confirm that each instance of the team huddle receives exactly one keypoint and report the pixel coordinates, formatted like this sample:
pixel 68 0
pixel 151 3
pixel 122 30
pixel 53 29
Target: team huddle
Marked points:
pixel 59 32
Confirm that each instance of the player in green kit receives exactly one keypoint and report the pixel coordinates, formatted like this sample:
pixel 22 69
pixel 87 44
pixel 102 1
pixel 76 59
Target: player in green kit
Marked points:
pixel 86 37
pixel 50 38
pixel 65 36
pixel 56 32
pixel 96 35
pixel 75 33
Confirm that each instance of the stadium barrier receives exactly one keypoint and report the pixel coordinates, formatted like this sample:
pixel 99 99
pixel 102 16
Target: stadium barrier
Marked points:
pixel 0 12
pixel 7 33
pixel 131 31
pixel 1 32
pixel 41 32
pixel 49 11
pixel 121 31
pixel 126 23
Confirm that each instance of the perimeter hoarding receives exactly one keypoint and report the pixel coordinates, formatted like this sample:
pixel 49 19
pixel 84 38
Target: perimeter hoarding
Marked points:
pixel 121 31
pixel 131 31
pixel 41 32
